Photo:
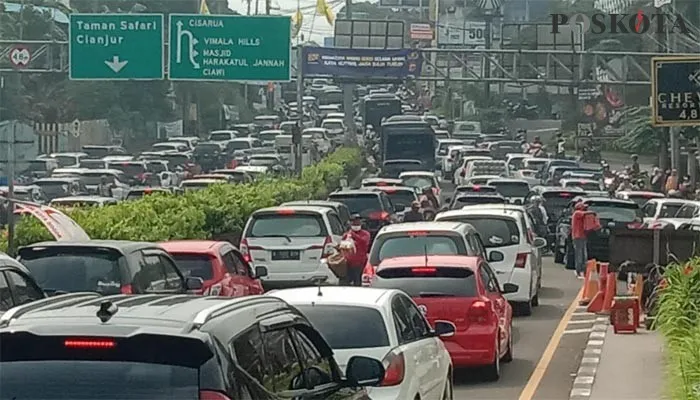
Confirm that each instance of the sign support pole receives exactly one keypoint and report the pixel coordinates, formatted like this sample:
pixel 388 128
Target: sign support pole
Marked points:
pixel 11 139
pixel 348 89
pixel 297 137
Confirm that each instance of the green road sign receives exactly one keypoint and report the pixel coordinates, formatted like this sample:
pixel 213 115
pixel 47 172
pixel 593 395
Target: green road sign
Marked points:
pixel 229 48
pixel 116 46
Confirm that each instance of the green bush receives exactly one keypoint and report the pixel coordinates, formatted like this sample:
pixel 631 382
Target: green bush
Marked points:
pixel 678 319
pixel 214 212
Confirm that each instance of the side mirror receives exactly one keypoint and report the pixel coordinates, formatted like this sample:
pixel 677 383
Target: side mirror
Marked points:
pixel 496 256
pixel 444 329
pixel 194 283
pixel 260 272
pixel 540 242
pixel 364 371
pixel 510 288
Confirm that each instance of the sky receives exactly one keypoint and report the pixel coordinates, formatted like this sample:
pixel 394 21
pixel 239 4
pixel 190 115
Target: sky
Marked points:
pixel 314 28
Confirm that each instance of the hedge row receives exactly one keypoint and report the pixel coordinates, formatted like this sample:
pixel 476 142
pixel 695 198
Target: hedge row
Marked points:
pixel 678 319
pixel 215 212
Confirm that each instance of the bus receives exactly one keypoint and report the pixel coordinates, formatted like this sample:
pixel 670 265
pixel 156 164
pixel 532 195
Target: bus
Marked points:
pixel 376 107
pixel 408 140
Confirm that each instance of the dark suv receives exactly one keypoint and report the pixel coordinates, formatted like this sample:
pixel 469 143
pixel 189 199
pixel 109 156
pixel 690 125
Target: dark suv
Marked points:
pixel 106 267
pixel 86 346
pixel 374 207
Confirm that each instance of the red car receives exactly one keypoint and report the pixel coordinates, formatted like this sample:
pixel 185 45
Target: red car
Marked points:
pixel 219 264
pixel 463 291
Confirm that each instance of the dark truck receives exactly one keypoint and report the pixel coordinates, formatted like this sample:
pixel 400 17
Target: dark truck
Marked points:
pixel 408 140
pixel 376 107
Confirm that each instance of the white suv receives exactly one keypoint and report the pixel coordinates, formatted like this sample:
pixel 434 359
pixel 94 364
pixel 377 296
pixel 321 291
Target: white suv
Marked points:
pixel 293 243
pixel 514 250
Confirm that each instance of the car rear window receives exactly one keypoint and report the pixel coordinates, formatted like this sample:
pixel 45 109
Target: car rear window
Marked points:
pixel 556 202
pixel 475 189
pixel 129 169
pixel 92 164
pixel 402 198
pixel 418 243
pixel 75 269
pixel 470 200
pixel 221 136
pixel 420 182
pixel 291 225
pixel 423 281
pixel 362 204
pixel 584 185
pixel 511 189
pixel 83 380
pixel 347 327
pixel 669 210
pixel 619 212
pixel 197 265
pixel 494 232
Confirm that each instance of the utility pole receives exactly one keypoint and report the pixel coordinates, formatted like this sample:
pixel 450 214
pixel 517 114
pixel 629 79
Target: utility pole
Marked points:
pixel 487 44
pixel 673 132
pixel 267 7
pixel 297 146
pixel 348 91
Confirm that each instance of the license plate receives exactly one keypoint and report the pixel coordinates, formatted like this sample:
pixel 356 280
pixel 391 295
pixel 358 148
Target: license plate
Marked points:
pixel 280 255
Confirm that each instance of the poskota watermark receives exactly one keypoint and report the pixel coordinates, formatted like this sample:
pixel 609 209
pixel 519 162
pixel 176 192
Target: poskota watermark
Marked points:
pixel 639 23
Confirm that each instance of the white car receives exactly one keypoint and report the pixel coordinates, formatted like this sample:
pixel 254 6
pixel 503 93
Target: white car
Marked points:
pixel 460 174
pixel 514 250
pixel 422 180
pixel 688 211
pixel 584 184
pixel 661 208
pixel 292 242
pixel 451 158
pixel 515 190
pixel 366 322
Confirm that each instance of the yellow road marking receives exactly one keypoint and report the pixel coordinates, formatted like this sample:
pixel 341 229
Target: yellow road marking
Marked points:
pixel 534 382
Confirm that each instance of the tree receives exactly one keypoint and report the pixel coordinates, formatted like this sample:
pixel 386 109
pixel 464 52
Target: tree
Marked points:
pixel 641 137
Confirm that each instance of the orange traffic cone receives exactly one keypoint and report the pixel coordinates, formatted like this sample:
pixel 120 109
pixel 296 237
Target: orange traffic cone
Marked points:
pixel 596 304
pixel 590 283
pixel 610 293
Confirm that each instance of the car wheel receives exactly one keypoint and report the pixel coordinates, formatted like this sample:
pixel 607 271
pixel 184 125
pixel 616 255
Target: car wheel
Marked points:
pixel 535 300
pixel 508 357
pixel 493 371
pixel 524 308
pixel 448 394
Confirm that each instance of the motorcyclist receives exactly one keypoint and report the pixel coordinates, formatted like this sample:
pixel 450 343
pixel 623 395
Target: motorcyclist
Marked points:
pixel 414 214
pixel 625 185
pixel 560 142
pixel 635 165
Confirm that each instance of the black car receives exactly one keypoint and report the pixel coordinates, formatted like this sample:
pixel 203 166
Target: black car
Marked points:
pixel 209 155
pixel 374 207
pixel 106 267
pixel 612 213
pixel 555 200
pixel 17 286
pixel 86 346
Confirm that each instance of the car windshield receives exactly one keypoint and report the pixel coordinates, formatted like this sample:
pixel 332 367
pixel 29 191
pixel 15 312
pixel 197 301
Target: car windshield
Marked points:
pixel 72 270
pixel 96 152
pixel 92 164
pixel 53 189
pixel 166 146
pixel 405 246
pixel 332 125
pixel 291 225
pixel 420 182
pixel 347 327
pixel 459 282
pixel 105 380
pixel 511 189
pixel 197 265
pixel 129 169
pixel 362 204
pixel 584 185
pixel 220 136
pixel 176 159
pixel 96 179
pixel 207 148
pixel 402 198
pixel 619 212
pixel 270 136
pixel 65 161
pixel 238 145
pixel 494 231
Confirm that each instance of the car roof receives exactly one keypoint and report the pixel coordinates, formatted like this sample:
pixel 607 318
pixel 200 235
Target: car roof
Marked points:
pixel 579 180
pixel 655 195
pixel 352 192
pixel 389 189
pixel 56 179
pixel 417 173
pixel 187 246
pixel 83 198
pixel 422 226
pixel 123 246
pixel 335 295
pixel 317 203
pixel 142 313
pixel 458 261
pixel 476 210
pixel 5 259
pixel 549 189
pixel 507 180
pixel 611 200
pixel 309 208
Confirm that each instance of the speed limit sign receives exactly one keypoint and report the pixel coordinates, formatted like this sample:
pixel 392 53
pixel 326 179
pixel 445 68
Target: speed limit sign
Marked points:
pixel 20 57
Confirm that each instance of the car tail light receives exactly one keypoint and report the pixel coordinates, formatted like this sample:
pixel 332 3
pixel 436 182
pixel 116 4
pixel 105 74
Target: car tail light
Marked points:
pixel 126 289
pixel 90 343
pixel 520 260
pixel 212 395
pixel 245 250
pixel 394 367
pixel 564 194
pixel 368 274
pixel 379 215
pixel 424 270
pixel 476 188
pixel 286 211
pixel 381 184
pixel 479 311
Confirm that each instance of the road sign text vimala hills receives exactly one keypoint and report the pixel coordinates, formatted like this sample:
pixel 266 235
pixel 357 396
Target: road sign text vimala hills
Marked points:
pixel 238 48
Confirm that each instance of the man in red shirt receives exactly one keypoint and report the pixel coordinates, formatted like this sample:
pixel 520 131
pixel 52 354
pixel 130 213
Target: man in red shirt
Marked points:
pixel 357 260
pixel 578 236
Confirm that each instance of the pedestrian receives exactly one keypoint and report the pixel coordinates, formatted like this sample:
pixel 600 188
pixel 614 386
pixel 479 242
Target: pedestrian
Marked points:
pixel 539 216
pixel 428 194
pixel 357 260
pixel 657 181
pixel 672 181
pixel 578 236
pixel 635 165
pixel 414 214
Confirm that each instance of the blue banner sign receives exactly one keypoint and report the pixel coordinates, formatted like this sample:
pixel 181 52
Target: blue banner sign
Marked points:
pixel 675 87
pixel 361 63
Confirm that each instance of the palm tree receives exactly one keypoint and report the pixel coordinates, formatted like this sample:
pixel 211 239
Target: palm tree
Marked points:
pixel 642 137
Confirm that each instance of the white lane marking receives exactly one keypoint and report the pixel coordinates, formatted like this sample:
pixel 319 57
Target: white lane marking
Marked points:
pixel 576 331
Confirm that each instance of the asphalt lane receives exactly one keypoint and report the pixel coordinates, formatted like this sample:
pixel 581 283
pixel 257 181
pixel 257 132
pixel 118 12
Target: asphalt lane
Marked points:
pixel 531 337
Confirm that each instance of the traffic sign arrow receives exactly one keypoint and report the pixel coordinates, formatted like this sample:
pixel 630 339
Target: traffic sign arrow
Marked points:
pixel 115 64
